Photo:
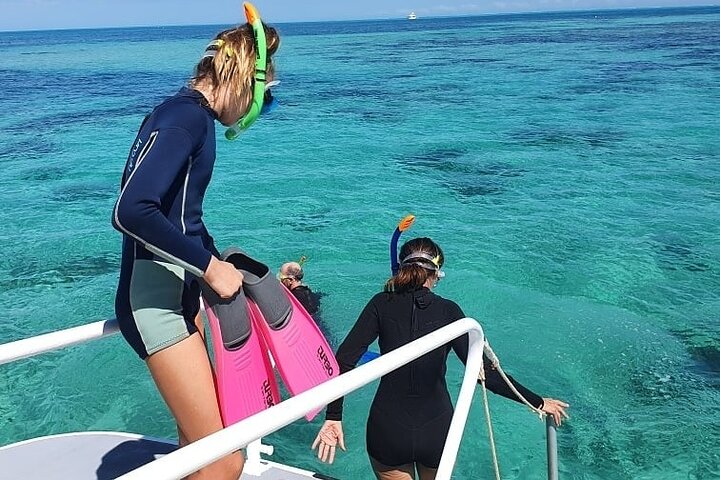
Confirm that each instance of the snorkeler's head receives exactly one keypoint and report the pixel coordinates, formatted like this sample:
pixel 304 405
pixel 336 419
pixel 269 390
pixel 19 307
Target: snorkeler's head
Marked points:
pixel 420 259
pixel 228 66
pixel 291 270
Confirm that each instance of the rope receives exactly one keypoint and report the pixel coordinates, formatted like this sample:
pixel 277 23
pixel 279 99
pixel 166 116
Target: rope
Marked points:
pixel 496 364
pixel 491 435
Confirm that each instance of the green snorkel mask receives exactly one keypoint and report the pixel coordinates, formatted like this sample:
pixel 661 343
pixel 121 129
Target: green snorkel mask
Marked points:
pixel 261 91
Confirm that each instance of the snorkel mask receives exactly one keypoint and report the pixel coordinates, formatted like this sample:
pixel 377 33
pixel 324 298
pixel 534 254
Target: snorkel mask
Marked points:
pixel 262 98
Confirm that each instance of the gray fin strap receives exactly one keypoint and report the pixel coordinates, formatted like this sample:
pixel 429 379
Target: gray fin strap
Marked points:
pixel 262 287
pixel 232 314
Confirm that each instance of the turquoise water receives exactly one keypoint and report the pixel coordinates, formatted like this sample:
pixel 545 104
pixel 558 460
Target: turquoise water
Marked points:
pixel 567 163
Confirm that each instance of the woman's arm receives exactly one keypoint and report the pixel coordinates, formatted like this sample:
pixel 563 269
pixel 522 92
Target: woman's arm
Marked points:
pixel 363 333
pixel 209 242
pixel 495 383
pixel 164 158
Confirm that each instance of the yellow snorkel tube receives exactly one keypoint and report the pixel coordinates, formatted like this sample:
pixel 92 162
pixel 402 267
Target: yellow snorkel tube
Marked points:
pixel 253 18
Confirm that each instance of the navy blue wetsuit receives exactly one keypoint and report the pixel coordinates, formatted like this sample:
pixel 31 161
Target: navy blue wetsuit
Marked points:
pixel 166 246
pixel 411 412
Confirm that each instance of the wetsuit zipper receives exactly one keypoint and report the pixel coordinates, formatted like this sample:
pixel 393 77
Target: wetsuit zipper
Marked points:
pixel 413 332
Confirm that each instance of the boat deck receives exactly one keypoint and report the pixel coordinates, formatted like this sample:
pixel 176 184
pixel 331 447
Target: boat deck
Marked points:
pixel 103 456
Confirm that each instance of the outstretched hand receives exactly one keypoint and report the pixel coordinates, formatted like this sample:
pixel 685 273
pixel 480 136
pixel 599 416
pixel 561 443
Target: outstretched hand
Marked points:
pixel 556 408
pixel 328 437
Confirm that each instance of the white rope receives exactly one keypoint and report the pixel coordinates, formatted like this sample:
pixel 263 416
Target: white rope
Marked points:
pixel 496 364
pixel 491 435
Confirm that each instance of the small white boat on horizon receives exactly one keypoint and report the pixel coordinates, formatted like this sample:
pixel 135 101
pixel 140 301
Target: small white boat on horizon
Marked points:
pixel 412 16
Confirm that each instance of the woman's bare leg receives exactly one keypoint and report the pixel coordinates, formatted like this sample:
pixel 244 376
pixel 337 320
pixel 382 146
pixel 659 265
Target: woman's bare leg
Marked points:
pixel 184 377
pixel 182 439
pixel 383 472
pixel 200 327
pixel 426 473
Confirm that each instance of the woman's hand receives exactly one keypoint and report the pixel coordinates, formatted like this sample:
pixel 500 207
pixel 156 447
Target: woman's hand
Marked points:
pixel 556 408
pixel 223 277
pixel 329 435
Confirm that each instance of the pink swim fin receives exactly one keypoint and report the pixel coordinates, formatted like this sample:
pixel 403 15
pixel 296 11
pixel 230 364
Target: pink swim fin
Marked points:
pixel 302 354
pixel 245 380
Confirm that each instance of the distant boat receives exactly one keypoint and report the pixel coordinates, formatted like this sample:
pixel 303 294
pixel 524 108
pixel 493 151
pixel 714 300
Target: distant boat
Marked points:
pixel 412 16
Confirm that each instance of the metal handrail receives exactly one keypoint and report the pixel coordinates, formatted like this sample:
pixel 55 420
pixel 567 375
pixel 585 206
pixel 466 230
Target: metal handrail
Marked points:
pixel 29 347
pixel 209 449
pixel 213 447
pixel 551 439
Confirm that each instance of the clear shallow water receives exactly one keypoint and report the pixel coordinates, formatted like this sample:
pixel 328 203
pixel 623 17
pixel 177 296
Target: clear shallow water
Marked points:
pixel 567 163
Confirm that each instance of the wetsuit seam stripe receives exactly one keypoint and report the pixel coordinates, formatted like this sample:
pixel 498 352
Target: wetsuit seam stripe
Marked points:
pixel 184 199
pixel 192 269
pixel 146 149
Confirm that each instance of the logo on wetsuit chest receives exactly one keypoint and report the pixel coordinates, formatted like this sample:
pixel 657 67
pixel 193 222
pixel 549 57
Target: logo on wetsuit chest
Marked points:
pixel 325 361
pixel 133 155
pixel 267 392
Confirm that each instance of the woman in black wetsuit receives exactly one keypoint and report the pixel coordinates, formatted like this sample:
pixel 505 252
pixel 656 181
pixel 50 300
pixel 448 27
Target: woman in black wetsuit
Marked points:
pixel 410 415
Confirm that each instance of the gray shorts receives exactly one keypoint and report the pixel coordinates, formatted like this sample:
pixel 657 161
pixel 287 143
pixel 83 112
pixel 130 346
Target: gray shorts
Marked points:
pixel 157 305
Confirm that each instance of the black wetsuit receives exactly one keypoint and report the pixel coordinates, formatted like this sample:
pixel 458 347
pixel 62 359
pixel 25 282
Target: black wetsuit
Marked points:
pixel 410 415
pixel 308 299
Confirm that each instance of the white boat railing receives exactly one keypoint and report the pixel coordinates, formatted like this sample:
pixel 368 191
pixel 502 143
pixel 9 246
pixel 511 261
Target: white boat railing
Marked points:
pixel 213 447
pixel 205 451
pixel 29 347
pixel 248 432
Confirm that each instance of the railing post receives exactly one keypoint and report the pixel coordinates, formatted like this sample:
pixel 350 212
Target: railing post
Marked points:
pixel 253 461
pixel 552 457
pixel 473 365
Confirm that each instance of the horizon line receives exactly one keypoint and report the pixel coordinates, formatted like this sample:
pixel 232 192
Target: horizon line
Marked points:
pixel 370 19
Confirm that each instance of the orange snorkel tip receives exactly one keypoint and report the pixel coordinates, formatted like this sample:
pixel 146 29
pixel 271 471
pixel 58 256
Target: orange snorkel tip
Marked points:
pixel 406 222
pixel 251 13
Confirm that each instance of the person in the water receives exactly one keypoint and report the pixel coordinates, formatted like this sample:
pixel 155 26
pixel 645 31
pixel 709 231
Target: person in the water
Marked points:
pixel 167 250
pixel 411 412
pixel 291 275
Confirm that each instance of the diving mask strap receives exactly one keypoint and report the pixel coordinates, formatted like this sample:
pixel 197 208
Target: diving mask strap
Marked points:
pixel 421 256
pixel 212 48
pixel 424 260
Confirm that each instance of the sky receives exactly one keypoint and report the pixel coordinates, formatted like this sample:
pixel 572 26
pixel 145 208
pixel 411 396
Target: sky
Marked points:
pixel 59 14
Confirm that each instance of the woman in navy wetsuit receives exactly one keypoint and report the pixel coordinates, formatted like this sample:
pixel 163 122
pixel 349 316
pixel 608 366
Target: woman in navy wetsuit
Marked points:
pixel 411 412
pixel 166 248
